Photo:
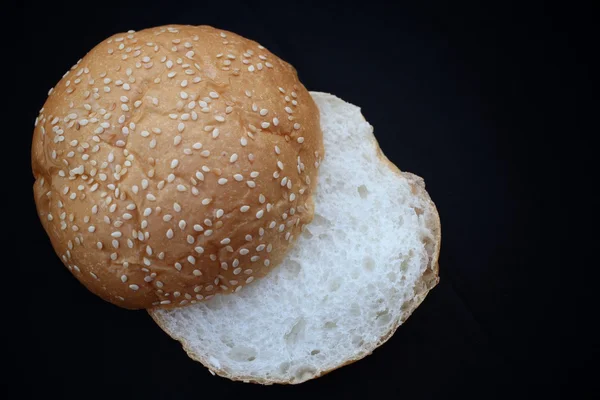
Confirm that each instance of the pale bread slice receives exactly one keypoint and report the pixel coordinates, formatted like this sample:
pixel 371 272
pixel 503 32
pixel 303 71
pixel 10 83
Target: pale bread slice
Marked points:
pixel 361 268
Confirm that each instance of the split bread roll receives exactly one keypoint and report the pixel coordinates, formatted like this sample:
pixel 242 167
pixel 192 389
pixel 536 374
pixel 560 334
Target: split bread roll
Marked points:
pixel 186 170
pixel 363 265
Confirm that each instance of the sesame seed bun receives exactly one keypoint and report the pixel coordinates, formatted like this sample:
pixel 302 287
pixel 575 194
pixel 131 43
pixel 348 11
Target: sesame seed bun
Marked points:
pixel 175 163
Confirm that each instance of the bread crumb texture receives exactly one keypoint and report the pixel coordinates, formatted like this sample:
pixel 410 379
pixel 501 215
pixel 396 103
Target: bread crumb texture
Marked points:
pixel 358 271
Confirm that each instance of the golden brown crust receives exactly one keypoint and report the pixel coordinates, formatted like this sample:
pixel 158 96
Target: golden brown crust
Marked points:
pixel 427 281
pixel 175 163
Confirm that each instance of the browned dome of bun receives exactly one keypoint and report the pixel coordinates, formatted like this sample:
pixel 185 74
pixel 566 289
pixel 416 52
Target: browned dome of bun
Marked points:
pixel 175 163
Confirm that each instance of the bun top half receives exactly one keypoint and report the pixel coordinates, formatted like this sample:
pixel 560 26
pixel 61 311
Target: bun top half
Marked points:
pixel 175 163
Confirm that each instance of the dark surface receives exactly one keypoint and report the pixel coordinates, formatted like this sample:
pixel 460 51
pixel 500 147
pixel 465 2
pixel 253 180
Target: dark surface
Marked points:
pixel 473 99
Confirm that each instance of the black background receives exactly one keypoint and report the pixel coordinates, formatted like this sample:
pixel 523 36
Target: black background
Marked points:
pixel 482 101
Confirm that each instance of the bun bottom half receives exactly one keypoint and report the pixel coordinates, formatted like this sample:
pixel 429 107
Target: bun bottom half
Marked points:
pixel 364 264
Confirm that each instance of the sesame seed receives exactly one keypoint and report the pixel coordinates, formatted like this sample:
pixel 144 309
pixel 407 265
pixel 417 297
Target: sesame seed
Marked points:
pixel 222 181
pixel 244 251
pixel 244 208
pixel 265 125
pixel 251 184
pixel 238 177
pixel 233 158
pixel 197 146
pixel 178 266
pixel 250 279
pixel 170 233
pixel 214 95
pixel 182 224
pixel 259 214
pixel 196 272
pixel 280 165
pixel 219 213
pixel 181 188
pixel 300 140
pixel 134 287
pixel 296 126
pixel 191 259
